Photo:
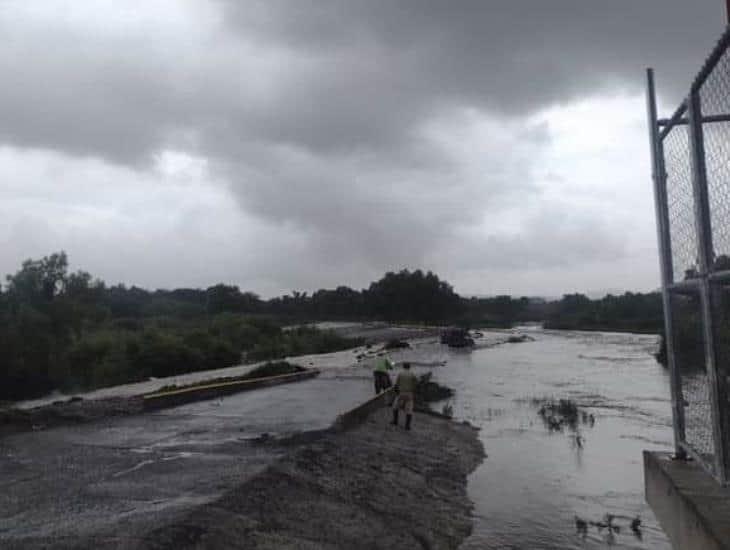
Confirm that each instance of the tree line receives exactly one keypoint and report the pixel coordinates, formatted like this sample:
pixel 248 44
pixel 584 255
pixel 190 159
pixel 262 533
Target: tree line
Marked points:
pixel 68 330
pixel 629 312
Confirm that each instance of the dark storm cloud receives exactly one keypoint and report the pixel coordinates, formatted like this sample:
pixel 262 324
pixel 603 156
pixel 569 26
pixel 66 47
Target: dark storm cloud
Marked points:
pixel 385 210
pixel 353 123
pixel 353 75
pixel 511 55
pixel 378 68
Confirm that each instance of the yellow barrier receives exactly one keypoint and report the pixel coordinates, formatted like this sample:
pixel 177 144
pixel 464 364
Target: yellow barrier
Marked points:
pixel 173 398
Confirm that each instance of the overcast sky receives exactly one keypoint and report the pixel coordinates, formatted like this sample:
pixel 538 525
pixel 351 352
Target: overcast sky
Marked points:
pixel 300 144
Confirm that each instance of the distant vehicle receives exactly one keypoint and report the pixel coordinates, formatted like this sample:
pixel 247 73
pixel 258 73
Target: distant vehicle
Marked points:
pixel 456 338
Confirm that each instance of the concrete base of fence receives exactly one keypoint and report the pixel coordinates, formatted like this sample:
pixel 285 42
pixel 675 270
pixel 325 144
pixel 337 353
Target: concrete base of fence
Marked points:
pixel 355 416
pixel 692 508
pixel 173 398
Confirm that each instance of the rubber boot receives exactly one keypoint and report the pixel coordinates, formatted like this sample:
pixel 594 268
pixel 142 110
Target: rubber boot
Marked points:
pixel 395 417
pixel 408 421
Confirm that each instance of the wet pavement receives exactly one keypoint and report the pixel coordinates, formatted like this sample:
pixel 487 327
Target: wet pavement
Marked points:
pixel 135 473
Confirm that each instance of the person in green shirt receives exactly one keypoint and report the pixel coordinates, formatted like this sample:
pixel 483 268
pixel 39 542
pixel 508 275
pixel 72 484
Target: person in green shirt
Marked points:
pixel 405 387
pixel 380 374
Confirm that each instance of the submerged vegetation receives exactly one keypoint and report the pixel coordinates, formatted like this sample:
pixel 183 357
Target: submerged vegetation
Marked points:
pixel 608 527
pixel 559 415
pixel 563 413
pixel 428 391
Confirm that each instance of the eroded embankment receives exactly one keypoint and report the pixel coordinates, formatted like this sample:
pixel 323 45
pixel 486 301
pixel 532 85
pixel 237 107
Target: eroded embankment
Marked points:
pixel 374 486
pixel 80 411
pixel 68 412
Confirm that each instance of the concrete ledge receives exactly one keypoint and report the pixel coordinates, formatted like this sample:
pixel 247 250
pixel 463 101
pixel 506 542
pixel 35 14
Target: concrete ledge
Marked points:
pixel 692 508
pixel 356 416
pixel 173 398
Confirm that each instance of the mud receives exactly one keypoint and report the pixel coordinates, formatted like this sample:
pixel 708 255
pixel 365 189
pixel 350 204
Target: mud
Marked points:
pixel 375 486
pixel 76 410
pixel 67 412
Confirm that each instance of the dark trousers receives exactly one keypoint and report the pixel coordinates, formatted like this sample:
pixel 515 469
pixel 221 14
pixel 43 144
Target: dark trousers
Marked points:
pixel 382 381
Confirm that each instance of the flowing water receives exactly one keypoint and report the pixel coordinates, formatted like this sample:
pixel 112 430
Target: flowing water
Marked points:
pixel 536 481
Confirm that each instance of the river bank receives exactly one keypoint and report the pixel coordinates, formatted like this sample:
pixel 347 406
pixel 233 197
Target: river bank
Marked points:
pixel 76 410
pixel 374 486
pixel 528 494
pixel 370 333
pixel 223 475
pixel 124 400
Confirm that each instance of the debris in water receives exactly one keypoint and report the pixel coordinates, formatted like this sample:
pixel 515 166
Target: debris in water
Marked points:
pixel 608 526
pixel 456 337
pixel 636 527
pixel 519 338
pixel 396 344
pixel 428 391
pixel 563 413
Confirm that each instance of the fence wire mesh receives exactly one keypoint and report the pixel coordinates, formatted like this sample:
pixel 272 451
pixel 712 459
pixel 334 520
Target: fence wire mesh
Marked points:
pixel 699 306
pixel 689 358
pixel 680 202
pixel 715 100
pixel 721 315
pixel 714 89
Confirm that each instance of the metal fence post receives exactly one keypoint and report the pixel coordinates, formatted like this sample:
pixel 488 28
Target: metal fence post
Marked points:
pixel 706 259
pixel 659 177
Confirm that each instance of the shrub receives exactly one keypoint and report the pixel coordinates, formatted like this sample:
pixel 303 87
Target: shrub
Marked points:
pixel 275 368
pixel 164 354
pixel 216 351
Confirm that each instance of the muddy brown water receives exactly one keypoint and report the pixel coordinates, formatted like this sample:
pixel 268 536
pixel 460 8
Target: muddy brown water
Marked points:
pixel 535 481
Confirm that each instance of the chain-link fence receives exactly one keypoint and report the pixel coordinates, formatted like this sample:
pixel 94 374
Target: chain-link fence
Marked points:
pixel 691 166
pixel 680 203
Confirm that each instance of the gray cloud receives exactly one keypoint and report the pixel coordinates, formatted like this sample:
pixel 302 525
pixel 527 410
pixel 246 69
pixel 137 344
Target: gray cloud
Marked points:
pixel 379 133
pixel 340 75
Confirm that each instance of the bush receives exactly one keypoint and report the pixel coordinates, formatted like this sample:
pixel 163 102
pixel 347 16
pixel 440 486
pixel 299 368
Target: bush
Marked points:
pixel 165 354
pixel 86 354
pixel 216 351
pixel 237 330
pixel 276 368
pixel 302 340
pixel 127 323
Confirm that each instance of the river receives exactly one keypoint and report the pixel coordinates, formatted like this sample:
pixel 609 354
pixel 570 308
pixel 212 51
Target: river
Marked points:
pixel 535 482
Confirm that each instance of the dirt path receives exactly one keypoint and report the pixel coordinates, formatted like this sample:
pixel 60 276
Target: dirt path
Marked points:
pixel 128 475
pixel 375 486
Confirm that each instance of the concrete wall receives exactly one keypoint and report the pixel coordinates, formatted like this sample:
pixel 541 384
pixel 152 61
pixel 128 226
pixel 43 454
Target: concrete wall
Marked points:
pixel 692 508
pixel 173 398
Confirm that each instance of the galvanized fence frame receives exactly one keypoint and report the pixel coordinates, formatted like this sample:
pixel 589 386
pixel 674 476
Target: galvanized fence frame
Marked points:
pixel 691 173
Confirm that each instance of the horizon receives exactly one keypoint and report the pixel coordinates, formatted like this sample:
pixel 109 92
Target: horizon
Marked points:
pixel 595 294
